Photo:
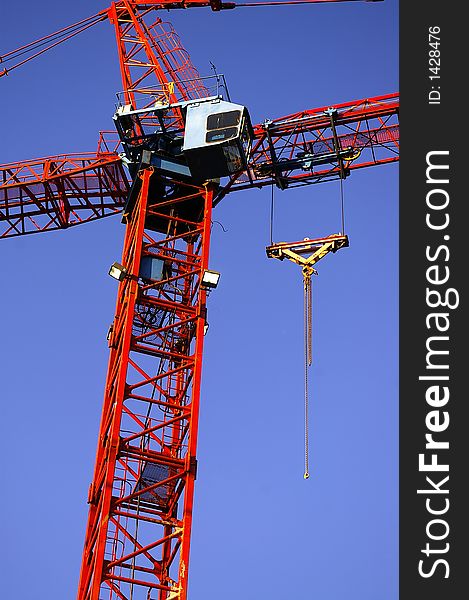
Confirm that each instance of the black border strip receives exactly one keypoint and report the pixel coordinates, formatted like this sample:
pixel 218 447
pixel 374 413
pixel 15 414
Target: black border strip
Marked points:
pixel 434 359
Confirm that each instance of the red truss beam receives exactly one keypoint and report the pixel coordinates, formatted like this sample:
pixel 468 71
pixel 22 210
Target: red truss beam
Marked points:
pixel 67 190
pixel 60 192
pixel 325 143
pixel 138 531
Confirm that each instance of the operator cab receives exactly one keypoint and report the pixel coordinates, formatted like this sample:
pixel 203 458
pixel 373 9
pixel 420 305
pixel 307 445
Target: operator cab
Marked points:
pixel 217 138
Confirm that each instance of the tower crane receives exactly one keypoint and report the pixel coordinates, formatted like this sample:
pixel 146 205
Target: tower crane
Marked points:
pixel 182 145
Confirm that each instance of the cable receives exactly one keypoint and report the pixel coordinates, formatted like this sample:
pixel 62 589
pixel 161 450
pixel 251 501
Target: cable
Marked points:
pixel 31 46
pixel 272 216
pixel 342 206
pixel 50 41
pixel 221 225
pixel 287 2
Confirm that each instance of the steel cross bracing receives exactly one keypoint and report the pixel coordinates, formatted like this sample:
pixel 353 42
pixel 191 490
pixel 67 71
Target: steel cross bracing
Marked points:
pixel 149 51
pixel 138 531
pixel 60 191
pixel 321 144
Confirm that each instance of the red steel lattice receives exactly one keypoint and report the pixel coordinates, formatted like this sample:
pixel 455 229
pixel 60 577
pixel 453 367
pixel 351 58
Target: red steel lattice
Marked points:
pixel 94 186
pixel 140 517
pixel 60 192
pixel 366 132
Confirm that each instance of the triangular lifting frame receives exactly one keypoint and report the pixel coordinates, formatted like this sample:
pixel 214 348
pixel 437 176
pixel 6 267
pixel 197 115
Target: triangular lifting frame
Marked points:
pixel 316 248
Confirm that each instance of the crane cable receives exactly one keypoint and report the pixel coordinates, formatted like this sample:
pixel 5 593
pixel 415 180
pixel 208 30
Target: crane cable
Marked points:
pixel 47 42
pixel 342 206
pixel 272 208
pixel 308 333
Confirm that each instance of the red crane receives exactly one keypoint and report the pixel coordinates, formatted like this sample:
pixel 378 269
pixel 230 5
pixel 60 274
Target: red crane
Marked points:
pixel 141 498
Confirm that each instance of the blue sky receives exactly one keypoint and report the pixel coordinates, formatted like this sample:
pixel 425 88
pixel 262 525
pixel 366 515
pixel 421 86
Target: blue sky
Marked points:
pixel 260 530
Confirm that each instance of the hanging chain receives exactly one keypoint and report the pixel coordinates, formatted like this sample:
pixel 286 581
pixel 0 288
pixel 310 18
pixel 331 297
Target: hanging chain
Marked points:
pixel 308 323
pixel 309 319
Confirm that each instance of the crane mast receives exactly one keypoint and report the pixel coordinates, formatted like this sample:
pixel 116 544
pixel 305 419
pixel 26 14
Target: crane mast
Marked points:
pixel 138 531
pixel 146 460
pixel 137 538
